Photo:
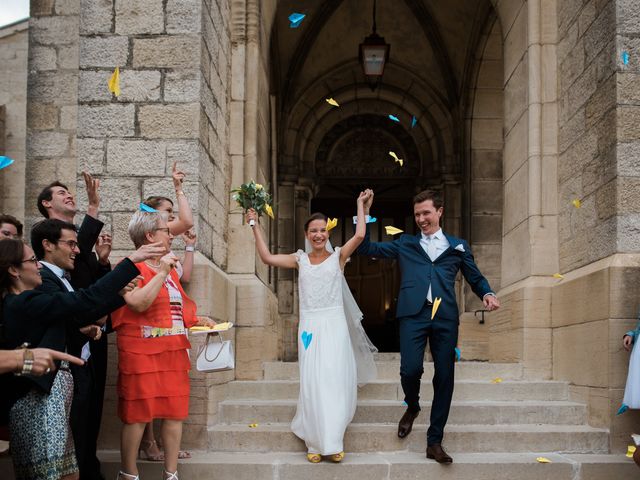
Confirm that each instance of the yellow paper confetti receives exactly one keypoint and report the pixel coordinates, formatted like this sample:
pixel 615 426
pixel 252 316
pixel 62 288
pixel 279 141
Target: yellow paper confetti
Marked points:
pixel 559 276
pixel 253 425
pixel 396 159
pixel 631 449
pixel 332 102
pixel 496 380
pixel 269 210
pixel 434 309
pixel 332 223
pixel 576 203
pixel 114 82
pixel 543 460
pixel 392 230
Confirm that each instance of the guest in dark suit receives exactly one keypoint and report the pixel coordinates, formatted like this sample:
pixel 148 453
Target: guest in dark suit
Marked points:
pixel 37 408
pixel 429 263
pixel 56 202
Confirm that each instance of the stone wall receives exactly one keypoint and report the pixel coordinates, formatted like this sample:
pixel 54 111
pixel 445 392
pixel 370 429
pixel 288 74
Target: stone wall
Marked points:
pixel 13 98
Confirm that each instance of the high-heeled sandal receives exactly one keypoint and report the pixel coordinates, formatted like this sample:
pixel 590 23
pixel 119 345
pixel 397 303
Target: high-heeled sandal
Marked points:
pixel 128 475
pixel 314 457
pixel 170 476
pixel 336 457
pixel 145 454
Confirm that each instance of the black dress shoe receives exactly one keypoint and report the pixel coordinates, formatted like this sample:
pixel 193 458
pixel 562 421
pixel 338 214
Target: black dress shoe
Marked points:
pixel 437 453
pixel 406 423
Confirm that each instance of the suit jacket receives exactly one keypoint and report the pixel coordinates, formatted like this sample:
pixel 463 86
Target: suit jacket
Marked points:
pixel 40 318
pixel 418 272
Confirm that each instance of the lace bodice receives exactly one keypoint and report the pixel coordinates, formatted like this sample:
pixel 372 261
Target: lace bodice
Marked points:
pixel 319 286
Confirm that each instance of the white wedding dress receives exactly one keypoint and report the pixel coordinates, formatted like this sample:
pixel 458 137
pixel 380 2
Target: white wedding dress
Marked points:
pixel 328 372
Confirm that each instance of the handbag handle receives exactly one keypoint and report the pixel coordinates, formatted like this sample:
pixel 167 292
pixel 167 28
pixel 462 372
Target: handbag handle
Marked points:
pixel 209 335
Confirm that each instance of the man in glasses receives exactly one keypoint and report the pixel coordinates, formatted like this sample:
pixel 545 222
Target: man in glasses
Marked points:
pixel 57 202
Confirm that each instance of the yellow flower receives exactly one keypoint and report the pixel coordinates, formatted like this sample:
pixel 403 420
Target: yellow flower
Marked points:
pixel 259 186
pixel 269 210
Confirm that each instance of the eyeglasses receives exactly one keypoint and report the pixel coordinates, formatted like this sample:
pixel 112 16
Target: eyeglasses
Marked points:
pixel 71 243
pixel 164 229
pixel 33 260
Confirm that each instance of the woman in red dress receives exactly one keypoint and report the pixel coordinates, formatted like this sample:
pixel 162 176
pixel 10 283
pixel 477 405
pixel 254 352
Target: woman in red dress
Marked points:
pixel 153 360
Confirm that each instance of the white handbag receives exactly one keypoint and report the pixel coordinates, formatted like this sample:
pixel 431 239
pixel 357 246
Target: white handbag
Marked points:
pixel 215 356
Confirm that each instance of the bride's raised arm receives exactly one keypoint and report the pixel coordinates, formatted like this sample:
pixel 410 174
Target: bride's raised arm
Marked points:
pixel 361 229
pixel 277 260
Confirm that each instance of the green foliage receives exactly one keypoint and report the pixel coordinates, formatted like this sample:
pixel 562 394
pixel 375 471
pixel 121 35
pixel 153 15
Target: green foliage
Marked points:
pixel 252 195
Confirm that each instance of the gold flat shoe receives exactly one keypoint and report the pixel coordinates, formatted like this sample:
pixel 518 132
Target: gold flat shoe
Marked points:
pixel 337 457
pixel 314 457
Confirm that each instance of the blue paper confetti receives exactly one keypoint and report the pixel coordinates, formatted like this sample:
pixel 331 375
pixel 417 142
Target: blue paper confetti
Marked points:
pixel 146 208
pixel 625 57
pixel 296 19
pixel 372 220
pixel 405 404
pixel 394 118
pixel 458 354
pixel 623 408
pixel 5 162
pixel 414 121
pixel 306 339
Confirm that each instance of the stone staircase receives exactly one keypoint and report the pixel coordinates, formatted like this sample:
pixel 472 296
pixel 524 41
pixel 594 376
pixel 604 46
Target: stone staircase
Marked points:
pixel 496 430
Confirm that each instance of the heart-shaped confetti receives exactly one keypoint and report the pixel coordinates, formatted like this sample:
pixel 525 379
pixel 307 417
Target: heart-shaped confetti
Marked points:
pixel 306 339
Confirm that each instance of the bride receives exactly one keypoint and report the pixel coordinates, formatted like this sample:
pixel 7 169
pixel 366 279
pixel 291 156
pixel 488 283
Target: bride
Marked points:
pixel 334 353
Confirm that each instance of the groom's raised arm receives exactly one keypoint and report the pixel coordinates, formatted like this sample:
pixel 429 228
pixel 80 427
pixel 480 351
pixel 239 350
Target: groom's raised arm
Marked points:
pixel 378 249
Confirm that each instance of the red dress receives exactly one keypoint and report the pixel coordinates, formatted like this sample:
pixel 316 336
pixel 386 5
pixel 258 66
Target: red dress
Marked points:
pixel 153 364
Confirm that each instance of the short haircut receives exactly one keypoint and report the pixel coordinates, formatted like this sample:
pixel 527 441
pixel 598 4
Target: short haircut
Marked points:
pixel 314 216
pixel 10 219
pixel 155 201
pixel 435 197
pixel 49 229
pixel 47 194
pixel 142 223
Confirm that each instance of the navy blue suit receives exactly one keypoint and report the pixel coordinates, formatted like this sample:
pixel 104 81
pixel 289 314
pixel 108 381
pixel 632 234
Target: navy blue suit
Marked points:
pixel 414 314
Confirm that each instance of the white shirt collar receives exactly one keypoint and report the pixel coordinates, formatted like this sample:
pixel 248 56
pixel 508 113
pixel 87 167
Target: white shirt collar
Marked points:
pixel 437 235
pixel 54 268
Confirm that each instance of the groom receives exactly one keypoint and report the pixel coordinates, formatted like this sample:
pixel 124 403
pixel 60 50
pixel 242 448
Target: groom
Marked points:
pixel 429 263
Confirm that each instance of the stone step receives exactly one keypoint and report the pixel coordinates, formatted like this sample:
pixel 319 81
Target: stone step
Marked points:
pixel 380 466
pixel 386 466
pixel 390 370
pixel 375 411
pixel 391 390
pixel 360 437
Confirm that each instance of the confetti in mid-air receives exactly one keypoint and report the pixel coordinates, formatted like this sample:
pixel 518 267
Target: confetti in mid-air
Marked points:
pixel 396 159
pixel 496 380
pixel 332 102
pixel 623 408
pixel 394 118
pixel 414 121
pixel 631 449
pixel 559 276
pixel 114 82
pixel 146 208
pixel 436 304
pixel 392 230
pixel 625 57
pixel 296 19
pixel 543 460
pixel 5 162
pixel 576 203
pixel 458 354
pixel 332 223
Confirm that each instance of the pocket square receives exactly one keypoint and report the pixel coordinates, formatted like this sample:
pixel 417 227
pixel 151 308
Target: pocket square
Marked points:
pixel 460 248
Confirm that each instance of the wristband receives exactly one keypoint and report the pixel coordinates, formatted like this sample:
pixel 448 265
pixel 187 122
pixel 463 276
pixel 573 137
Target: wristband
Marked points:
pixel 27 360
pixel 190 248
pixel 368 219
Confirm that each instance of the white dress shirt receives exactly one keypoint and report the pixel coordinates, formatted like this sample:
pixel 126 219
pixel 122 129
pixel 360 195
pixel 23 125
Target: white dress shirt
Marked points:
pixel 434 245
pixel 59 272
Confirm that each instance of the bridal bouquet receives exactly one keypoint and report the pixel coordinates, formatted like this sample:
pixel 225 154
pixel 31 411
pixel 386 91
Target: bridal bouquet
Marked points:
pixel 253 195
